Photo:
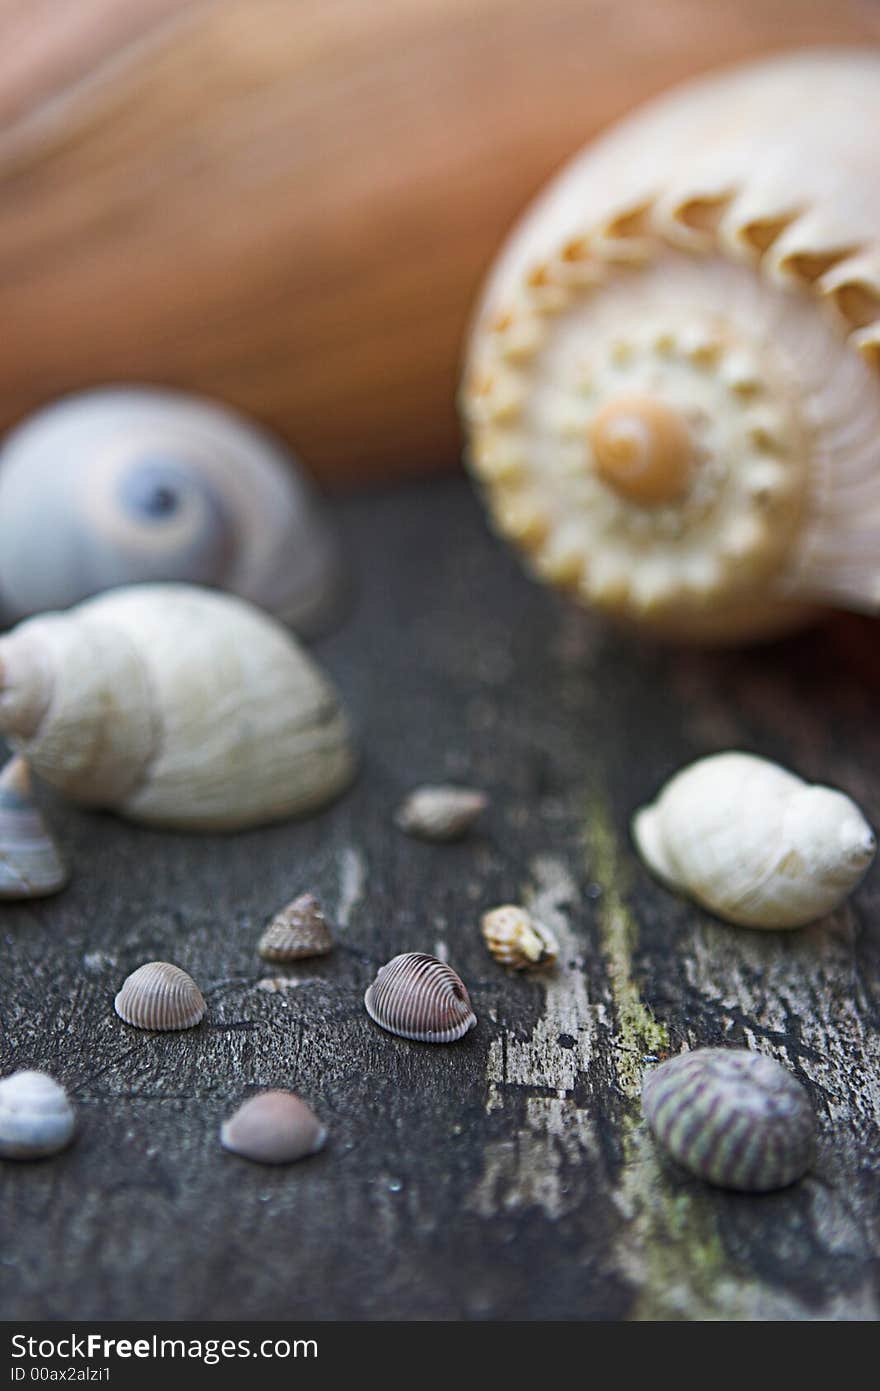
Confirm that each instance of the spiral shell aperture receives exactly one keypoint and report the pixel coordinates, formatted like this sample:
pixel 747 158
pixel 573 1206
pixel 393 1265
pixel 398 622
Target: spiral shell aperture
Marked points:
pixel 671 390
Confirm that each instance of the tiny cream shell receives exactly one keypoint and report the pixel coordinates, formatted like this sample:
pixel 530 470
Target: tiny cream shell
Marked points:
pixel 299 930
pixel 516 939
pixel 274 1127
pixel 417 996
pixel 160 996
pixel 30 866
pixel 440 813
pixel 732 1117
pixel 36 1117
pixel 754 843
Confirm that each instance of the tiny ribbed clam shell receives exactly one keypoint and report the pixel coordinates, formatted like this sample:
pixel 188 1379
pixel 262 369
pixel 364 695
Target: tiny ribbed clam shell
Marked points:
pixel 515 938
pixel 732 1117
pixel 440 813
pixel 273 1127
pixel 160 996
pixel 36 1117
pixel 30 866
pixel 419 997
pixel 298 930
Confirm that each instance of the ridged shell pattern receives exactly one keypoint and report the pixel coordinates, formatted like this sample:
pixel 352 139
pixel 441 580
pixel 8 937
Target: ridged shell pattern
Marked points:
pixel 36 1117
pixel 298 931
pixel 419 997
pixel 30 865
pixel 274 1127
pixel 732 1117
pixel 159 995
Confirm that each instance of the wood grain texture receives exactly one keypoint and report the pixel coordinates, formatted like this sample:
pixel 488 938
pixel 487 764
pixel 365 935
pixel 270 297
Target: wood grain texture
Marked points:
pixel 291 206
pixel 508 1176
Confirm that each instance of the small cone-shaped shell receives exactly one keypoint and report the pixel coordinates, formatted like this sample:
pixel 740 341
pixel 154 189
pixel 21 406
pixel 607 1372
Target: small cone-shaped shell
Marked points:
pixel 753 842
pixel 160 996
pixel 515 938
pixel 441 812
pixel 274 1127
pixel 419 997
pixel 176 706
pixel 36 1117
pixel 298 930
pixel 30 866
pixel 732 1117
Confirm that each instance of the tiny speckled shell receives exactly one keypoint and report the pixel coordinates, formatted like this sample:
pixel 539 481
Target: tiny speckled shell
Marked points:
pixel 36 1118
pixel 160 996
pixel 299 930
pixel 274 1127
pixel 30 866
pixel 732 1117
pixel 419 997
pixel 440 813
pixel 515 939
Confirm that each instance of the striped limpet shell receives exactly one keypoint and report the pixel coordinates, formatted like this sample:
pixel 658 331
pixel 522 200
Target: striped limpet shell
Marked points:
pixel 418 996
pixel 297 930
pixel 160 996
pixel 732 1117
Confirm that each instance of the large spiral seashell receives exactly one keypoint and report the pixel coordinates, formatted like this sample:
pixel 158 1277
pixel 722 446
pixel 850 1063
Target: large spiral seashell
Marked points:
pixel 732 1117
pixel 174 705
pixel 30 865
pixel 418 996
pixel 130 484
pixel 36 1117
pixel 673 383
pixel 754 843
pixel 274 1127
pixel 160 996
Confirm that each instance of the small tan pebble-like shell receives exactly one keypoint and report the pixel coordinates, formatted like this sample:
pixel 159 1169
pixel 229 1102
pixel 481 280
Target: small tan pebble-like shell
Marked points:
pixel 36 1117
pixel 516 939
pixel 754 843
pixel 160 996
pixel 440 813
pixel 30 866
pixel 419 997
pixel 273 1127
pixel 732 1117
pixel 299 930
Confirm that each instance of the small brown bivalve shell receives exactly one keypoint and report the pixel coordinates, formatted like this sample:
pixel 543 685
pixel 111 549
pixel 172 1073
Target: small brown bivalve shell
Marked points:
pixel 419 997
pixel 273 1127
pixel 160 996
pixel 440 813
pixel 298 930
pixel 515 939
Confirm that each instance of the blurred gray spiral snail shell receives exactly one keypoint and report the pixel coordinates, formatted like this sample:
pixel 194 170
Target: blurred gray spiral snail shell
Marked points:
pixel 124 485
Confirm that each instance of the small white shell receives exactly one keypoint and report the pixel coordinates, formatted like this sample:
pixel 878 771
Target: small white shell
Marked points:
pixel 516 939
pixel 125 485
pixel 274 1127
pixel 440 813
pixel 36 1117
pixel 754 843
pixel 299 930
pixel 30 866
pixel 419 997
pixel 160 996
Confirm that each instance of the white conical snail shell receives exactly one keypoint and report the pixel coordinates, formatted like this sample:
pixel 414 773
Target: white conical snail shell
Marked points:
pixel 30 866
pixel 753 842
pixel 673 382
pixel 36 1118
pixel 174 705
pixel 130 484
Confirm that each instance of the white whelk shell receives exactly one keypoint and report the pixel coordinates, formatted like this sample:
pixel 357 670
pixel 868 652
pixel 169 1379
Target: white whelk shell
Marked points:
pixel 299 930
pixel 30 866
pixel 36 1117
pixel 274 1127
pixel 754 843
pixel 517 939
pixel 160 996
pixel 125 485
pixel 419 997
pixel 176 706
pixel 440 813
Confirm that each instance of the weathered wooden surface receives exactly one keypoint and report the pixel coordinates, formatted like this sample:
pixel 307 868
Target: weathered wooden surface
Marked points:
pixel 508 1176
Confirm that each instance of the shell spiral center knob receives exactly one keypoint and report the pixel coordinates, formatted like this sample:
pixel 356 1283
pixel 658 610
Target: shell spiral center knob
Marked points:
pixel 643 449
